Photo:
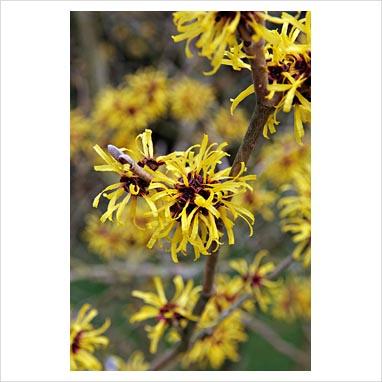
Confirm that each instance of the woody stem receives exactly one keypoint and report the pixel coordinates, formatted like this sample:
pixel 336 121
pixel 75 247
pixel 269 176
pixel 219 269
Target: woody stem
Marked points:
pixel 261 113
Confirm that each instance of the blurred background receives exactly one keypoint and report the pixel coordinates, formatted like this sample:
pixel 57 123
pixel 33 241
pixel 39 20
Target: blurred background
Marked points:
pixel 127 75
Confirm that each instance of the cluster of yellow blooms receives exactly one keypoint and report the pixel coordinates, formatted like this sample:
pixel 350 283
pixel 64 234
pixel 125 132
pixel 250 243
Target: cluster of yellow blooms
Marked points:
pixel 144 97
pixel 169 314
pixel 136 362
pixel 291 300
pixel 295 213
pixel 255 278
pixel 218 35
pixel 220 341
pixel 230 127
pixel 189 200
pixel 110 240
pixel 282 158
pixel 221 344
pixel 84 339
pixel 190 100
pixel 287 54
pixel 81 131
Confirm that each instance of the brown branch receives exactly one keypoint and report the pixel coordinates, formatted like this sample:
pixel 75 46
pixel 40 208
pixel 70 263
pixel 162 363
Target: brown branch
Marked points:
pixel 119 271
pixel 123 158
pixel 262 111
pixel 273 338
pixel 172 355
pixel 97 75
pixel 284 264
pixel 264 106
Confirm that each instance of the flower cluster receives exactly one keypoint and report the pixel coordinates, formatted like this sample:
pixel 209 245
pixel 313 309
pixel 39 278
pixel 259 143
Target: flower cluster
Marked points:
pixel 282 158
pixel 221 38
pixel 292 300
pixel 259 200
pixel 85 339
pixel 255 278
pixel 130 187
pixel 218 35
pixel 288 65
pixel 230 127
pixel 141 99
pixel 295 213
pixel 80 132
pixel 190 100
pixel 113 240
pixel 136 362
pixel 174 313
pixel 190 200
pixel 220 344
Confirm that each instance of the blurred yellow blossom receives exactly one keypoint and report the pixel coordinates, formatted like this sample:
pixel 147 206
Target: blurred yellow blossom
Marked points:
pixel 282 158
pixel 136 362
pixel 292 299
pixel 254 277
pixel 121 109
pixel 152 85
pixel 227 291
pixel 80 131
pixel 295 213
pixel 85 339
pixel 190 100
pixel 112 240
pixel 220 343
pixel 259 200
pixel 230 127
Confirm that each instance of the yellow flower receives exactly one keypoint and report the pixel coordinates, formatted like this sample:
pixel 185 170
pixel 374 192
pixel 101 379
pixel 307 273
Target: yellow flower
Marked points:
pixel 288 66
pixel 221 344
pixel 219 38
pixel 80 130
pixel 230 127
pixel 173 313
pixel 85 339
pixel 152 84
pixel 121 109
pixel 292 300
pixel 111 240
pixel 130 186
pixel 295 214
pixel 282 158
pixel 196 200
pixel 255 278
pixel 259 200
pixel 227 291
pixel 136 362
pixel 190 100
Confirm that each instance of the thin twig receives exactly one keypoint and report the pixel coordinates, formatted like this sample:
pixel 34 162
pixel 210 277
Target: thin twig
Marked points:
pixel 124 158
pixel 284 264
pixel 275 340
pixel 262 111
pixel 171 356
pixel 120 271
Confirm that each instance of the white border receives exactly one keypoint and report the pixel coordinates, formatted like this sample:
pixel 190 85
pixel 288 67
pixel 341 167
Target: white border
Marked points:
pixel 346 191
